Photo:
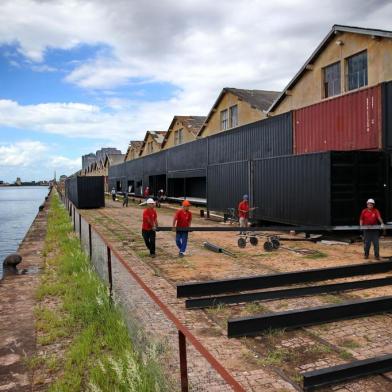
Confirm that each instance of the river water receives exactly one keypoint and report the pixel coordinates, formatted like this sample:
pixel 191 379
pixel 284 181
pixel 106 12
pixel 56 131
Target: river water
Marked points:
pixel 18 208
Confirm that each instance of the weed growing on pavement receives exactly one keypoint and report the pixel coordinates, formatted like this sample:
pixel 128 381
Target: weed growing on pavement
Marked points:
pixel 316 255
pixel 345 355
pixel 98 352
pixel 350 344
pixel 254 307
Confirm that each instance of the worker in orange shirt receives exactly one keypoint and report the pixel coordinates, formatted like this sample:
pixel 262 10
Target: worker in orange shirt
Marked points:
pixel 150 223
pixel 243 211
pixel 182 219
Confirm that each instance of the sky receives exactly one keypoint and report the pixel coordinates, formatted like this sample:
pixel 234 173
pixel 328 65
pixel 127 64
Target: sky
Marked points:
pixel 78 75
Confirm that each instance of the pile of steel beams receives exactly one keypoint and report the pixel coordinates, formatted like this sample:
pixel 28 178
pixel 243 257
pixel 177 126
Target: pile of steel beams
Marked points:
pixel 205 294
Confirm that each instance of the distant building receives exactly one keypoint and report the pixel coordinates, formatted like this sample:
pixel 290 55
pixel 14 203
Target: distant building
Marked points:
pixel 101 154
pixel 18 181
pixel 63 177
pixel 87 160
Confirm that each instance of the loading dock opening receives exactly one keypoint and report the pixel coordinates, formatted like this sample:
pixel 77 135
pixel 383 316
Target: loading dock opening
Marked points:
pixel 187 187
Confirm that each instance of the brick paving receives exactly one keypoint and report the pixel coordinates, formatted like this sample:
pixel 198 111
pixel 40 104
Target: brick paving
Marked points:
pixel 346 340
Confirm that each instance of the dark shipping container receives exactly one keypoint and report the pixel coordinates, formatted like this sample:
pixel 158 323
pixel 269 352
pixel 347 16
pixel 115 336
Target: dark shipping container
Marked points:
pixel 347 122
pixel 262 139
pixel 86 192
pixel 329 188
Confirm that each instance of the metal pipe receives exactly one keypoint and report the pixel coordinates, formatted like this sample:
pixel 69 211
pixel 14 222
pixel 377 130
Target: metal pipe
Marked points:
pixel 281 228
pixel 90 245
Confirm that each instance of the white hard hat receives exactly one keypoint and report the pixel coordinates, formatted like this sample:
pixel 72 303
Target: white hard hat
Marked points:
pixel 150 201
pixel 371 201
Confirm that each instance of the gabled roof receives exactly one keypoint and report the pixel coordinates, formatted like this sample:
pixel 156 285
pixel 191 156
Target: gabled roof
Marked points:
pixel 114 159
pixel 157 136
pixel 258 99
pixel 191 123
pixel 136 145
pixel 336 29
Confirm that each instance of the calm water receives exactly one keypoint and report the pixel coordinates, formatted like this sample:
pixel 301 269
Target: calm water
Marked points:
pixel 18 208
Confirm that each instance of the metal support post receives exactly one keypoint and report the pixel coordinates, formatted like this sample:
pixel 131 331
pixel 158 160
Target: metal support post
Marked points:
pixel 109 253
pixel 90 244
pixel 183 361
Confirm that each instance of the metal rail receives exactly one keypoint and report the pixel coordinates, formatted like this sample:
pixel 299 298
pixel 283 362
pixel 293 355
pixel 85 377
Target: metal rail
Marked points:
pixel 197 303
pixel 199 289
pixel 335 374
pixel 256 325
pixel 280 228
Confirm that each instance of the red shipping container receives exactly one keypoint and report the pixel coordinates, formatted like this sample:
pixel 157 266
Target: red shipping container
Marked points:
pixel 348 122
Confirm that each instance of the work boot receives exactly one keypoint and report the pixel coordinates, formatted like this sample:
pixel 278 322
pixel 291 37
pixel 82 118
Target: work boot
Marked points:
pixel 181 254
pixel 377 257
pixel 366 257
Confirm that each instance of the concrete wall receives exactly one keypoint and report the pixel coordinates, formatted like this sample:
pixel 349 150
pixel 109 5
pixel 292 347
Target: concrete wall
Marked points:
pixel 187 136
pixel 246 114
pixel 309 89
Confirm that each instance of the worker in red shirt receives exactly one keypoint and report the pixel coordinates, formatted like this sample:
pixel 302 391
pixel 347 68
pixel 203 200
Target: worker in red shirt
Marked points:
pixel 146 192
pixel 150 223
pixel 243 211
pixel 371 216
pixel 182 219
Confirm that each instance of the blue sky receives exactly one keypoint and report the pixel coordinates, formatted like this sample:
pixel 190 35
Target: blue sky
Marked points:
pixel 76 76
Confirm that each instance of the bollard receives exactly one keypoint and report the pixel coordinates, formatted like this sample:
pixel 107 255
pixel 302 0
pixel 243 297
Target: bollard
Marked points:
pixel 90 245
pixel 201 213
pixel 80 227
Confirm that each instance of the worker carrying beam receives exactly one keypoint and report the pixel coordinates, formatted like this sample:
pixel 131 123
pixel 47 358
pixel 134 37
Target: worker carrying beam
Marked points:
pixel 371 216
pixel 182 219
pixel 150 223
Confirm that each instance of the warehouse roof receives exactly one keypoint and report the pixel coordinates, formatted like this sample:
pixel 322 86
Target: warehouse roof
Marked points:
pixel 336 29
pixel 258 99
pixel 191 123
pixel 135 144
pixel 158 137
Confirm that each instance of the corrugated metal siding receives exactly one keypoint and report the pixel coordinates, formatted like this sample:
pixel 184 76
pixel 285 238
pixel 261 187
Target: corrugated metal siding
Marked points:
pixel 293 189
pixel 187 173
pixel 154 164
pixel 227 183
pixel 348 122
pixel 387 114
pixel 188 156
pixel 262 139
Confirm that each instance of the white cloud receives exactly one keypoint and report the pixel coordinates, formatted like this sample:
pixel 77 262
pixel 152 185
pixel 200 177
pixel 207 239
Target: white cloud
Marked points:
pixel 33 160
pixel 22 153
pixel 198 46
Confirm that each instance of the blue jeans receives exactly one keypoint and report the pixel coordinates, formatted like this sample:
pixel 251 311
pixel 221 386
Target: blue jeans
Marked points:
pixel 181 240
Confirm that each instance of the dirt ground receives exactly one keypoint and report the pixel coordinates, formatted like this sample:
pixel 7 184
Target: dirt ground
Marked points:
pixel 280 355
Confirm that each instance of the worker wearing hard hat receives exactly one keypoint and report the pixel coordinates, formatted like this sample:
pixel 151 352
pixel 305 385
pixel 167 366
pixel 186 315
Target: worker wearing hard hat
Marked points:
pixel 150 223
pixel 182 219
pixel 371 216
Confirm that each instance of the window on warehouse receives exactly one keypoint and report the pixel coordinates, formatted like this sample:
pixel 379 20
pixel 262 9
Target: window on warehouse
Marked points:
pixel 332 80
pixel 224 120
pixel 233 116
pixel 357 71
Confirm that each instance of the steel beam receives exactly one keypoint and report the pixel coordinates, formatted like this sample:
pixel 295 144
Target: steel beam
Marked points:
pixel 199 289
pixel 280 228
pixel 197 303
pixel 335 374
pixel 256 325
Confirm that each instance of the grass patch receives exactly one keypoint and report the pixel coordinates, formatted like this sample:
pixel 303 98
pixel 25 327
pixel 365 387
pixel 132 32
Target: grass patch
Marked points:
pixel 349 343
pixel 345 355
pixel 75 312
pixel 316 255
pixel 254 307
